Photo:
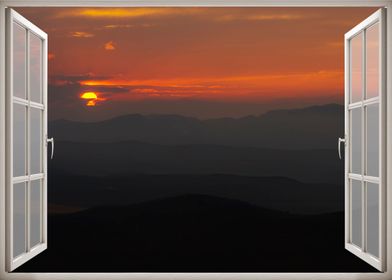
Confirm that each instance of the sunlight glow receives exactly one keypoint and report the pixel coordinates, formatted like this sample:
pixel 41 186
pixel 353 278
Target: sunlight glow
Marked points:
pixel 246 87
pixel 91 98
pixel 89 95
pixel 91 103
pixel 124 12
pixel 109 46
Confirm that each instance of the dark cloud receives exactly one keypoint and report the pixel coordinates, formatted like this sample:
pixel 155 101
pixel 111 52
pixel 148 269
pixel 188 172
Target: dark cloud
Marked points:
pixel 72 79
pixel 64 103
pixel 109 89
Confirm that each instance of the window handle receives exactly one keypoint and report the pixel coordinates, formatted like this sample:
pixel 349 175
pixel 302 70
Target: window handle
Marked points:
pixel 51 140
pixel 340 140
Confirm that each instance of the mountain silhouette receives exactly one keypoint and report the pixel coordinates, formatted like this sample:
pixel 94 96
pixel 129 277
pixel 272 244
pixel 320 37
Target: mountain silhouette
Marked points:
pixel 278 193
pixel 315 127
pixel 169 193
pixel 132 157
pixel 195 233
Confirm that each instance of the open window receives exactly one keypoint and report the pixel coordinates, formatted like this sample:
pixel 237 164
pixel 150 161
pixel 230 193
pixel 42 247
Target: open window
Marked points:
pixel 365 125
pixel 26 140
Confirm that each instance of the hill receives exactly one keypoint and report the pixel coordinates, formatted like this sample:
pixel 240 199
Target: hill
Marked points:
pixel 195 233
pixel 314 127
pixel 277 193
pixel 131 157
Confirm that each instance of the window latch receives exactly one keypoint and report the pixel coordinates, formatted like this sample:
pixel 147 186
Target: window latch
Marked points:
pixel 341 140
pixel 51 140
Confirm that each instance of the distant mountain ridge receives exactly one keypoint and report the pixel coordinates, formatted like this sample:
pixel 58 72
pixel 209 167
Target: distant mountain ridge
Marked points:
pixel 276 193
pixel 135 157
pixel 315 127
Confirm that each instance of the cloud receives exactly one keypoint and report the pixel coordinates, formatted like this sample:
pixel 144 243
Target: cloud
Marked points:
pixel 115 26
pixel 127 26
pixel 119 92
pixel 81 34
pixel 75 82
pixel 60 80
pixel 145 90
pixel 245 87
pixel 260 17
pixel 156 12
pixel 275 17
pixel 109 46
pixel 124 12
pixel 213 82
pixel 109 89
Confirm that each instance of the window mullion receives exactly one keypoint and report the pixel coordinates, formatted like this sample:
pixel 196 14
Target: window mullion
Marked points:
pixel 363 143
pixel 28 146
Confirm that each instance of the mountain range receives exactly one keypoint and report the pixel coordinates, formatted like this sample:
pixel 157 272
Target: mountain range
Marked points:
pixel 131 157
pixel 164 193
pixel 278 193
pixel 315 127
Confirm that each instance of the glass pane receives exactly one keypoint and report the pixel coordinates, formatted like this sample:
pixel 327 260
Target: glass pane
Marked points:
pixel 19 61
pixel 356 68
pixel 372 213
pixel 372 61
pixel 36 138
pixel 19 140
pixel 356 141
pixel 372 146
pixel 35 214
pixel 356 212
pixel 35 69
pixel 19 219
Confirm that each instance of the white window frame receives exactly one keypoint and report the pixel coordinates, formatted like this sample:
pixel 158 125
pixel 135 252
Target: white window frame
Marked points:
pixel 198 3
pixel 377 17
pixel 12 262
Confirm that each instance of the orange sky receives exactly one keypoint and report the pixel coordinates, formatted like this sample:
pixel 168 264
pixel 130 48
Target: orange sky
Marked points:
pixel 203 62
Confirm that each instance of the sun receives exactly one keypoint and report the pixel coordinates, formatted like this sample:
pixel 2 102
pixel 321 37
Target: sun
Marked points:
pixel 91 98
pixel 89 95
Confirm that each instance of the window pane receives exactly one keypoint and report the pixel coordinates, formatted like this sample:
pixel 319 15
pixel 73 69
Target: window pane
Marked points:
pixel 356 141
pixel 36 140
pixel 19 61
pixel 35 214
pixel 19 219
pixel 372 212
pixel 35 69
pixel 356 212
pixel 372 146
pixel 19 140
pixel 372 61
pixel 356 68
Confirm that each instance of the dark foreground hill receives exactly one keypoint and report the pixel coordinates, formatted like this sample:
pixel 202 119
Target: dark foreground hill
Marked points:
pixel 194 233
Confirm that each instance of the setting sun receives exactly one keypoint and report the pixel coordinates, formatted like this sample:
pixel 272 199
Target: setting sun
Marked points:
pixel 89 95
pixel 91 98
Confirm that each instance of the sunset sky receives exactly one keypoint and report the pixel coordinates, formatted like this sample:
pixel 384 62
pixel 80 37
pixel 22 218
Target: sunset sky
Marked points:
pixel 200 62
